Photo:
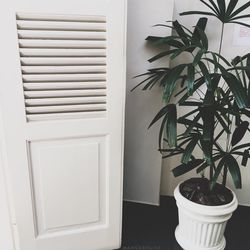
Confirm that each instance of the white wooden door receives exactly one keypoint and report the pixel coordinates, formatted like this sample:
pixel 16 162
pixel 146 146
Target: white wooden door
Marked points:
pixel 62 101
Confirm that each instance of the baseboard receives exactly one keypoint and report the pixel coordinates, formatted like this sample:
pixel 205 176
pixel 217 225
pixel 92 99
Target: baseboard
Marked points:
pixel 142 202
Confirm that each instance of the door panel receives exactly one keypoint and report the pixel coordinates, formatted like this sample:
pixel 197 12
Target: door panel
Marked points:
pixel 62 101
pixel 55 164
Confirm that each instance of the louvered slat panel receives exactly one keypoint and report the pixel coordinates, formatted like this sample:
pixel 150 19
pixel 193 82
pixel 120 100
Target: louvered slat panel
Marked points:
pixel 62 101
pixel 65 108
pixel 62 69
pixel 63 77
pixel 58 17
pixel 63 93
pixel 78 44
pixel 53 25
pixel 53 61
pixel 64 35
pixel 63 62
pixel 62 52
pixel 69 115
pixel 63 85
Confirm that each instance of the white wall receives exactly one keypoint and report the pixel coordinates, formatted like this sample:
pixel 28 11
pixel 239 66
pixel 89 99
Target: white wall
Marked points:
pixel 168 181
pixel 142 160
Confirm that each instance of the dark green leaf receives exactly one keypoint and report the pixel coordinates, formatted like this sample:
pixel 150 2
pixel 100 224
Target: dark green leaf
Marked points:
pixel 245 158
pixel 221 57
pixel 222 6
pixel 197 13
pixel 190 78
pixel 246 112
pixel 162 54
pixel 171 81
pixel 239 133
pixel 237 89
pixel 219 135
pixel 190 124
pixel 171 127
pixel 190 103
pixel 179 51
pixel 201 24
pixel 239 10
pixel 240 17
pixel 234 170
pixel 164 111
pixel 184 168
pixel 198 83
pixel 240 23
pixel 217 172
pixel 198 57
pixel 215 6
pixel 245 145
pixel 145 80
pixel 205 73
pixel 205 164
pixel 169 40
pixel 207 147
pixel 190 113
pixel 179 30
pixel 207 114
pixel 231 6
pixel 189 149
pixel 169 123
pixel 204 39
pixel 222 123
pixel 209 6
pixel 161 132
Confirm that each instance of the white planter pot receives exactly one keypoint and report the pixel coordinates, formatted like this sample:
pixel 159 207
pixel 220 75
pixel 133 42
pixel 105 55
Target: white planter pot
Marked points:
pixel 202 227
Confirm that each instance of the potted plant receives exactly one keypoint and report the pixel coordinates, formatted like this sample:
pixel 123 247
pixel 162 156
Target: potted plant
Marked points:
pixel 216 92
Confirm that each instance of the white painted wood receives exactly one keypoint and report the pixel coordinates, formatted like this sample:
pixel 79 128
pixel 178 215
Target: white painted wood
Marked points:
pixel 62 52
pixel 64 85
pixel 79 44
pixel 65 167
pixel 62 116
pixel 65 108
pixel 58 17
pixel 62 69
pixel 67 100
pixel 62 93
pixel 6 233
pixel 63 60
pixel 53 25
pixel 63 77
pixel 40 34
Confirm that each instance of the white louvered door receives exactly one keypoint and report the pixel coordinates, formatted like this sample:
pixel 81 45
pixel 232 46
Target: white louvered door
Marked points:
pixel 62 103
pixel 63 62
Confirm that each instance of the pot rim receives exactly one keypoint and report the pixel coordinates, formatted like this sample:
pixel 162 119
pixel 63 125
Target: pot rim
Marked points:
pixel 205 209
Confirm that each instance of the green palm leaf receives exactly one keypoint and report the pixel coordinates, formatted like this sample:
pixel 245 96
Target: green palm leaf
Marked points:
pixel 184 168
pixel 234 170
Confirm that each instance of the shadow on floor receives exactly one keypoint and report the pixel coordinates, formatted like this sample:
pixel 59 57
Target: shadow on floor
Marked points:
pixel 148 227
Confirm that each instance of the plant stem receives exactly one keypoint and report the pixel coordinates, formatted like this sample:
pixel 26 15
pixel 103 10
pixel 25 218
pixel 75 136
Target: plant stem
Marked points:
pixel 221 39
pixel 211 173
pixel 224 181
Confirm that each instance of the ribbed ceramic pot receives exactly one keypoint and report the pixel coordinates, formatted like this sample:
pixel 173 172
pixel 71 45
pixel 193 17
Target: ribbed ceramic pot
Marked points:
pixel 202 227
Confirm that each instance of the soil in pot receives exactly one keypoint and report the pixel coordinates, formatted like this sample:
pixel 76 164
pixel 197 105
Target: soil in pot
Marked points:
pixel 198 191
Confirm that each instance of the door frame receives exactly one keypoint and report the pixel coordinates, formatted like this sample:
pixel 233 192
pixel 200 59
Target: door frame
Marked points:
pixel 7 239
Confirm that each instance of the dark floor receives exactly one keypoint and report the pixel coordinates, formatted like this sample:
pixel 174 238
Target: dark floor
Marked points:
pixel 148 227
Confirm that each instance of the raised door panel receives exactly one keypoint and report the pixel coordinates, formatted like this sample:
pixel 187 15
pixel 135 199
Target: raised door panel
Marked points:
pixel 68 184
